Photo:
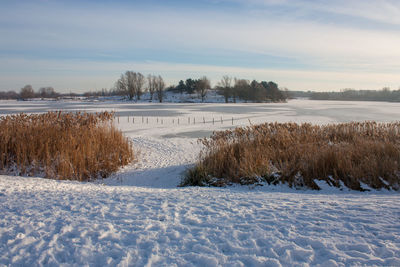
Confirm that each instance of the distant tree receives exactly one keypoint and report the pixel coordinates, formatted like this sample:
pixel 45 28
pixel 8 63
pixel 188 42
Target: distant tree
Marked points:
pixel 132 78
pixel 132 83
pixel 386 93
pixel 88 94
pixel 47 92
pixel 273 92
pixel 27 92
pixel 114 91
pixel 139 84
pixel 286 93
pixel 171 88
pixel 181 87
pixel 190 85
pixel 9 95
pixel 257 92
pixel 105 92
pixel 241 89
pixel 122 87
pixel 160 86
pixel 202 87
pixel 151 85
pixel 359 95
pixel 253 91
pixel 225 86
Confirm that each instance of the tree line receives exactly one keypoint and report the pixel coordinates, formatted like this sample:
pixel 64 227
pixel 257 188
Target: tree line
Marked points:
pixel 233 89
pixel 133 85
pixel 253 91
pixel 385 94
pixel 27 92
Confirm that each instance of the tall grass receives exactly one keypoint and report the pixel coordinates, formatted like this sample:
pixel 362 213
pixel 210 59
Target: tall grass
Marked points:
pixel 76 146
pixel 349 153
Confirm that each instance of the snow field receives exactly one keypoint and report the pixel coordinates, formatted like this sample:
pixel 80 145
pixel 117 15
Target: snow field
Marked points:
pixel 47 222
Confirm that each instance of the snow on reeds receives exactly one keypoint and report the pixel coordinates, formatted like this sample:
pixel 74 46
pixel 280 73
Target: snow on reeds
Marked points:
pixel 76 146
pixel 351 154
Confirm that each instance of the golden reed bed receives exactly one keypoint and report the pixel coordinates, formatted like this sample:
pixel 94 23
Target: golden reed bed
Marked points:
pixel 348 153
pixel 76 146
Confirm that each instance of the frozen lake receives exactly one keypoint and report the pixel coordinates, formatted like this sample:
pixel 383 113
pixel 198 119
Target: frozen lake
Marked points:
pixel 200 120
pixel 294 110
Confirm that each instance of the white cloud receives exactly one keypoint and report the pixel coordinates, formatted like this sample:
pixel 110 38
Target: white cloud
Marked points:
pixel 385 11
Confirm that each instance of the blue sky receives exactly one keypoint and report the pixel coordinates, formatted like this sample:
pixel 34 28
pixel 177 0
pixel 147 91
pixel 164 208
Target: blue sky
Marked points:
pixel 302 45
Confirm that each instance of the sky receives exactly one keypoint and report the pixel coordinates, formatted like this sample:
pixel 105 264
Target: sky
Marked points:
pixel 319 45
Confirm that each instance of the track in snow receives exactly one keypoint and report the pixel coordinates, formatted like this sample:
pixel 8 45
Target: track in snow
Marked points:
pixel 47 222
pixel 161 163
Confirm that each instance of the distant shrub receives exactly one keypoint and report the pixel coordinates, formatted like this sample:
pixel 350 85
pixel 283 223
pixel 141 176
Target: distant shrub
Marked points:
pixel 349 153
pixel 76 146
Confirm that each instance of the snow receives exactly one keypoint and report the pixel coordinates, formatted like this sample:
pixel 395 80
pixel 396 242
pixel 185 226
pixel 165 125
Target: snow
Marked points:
pixel 139 217
pixel 47 222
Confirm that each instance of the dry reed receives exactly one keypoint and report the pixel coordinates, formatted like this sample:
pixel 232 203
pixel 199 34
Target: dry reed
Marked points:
pixel 349 153
pixel 76 146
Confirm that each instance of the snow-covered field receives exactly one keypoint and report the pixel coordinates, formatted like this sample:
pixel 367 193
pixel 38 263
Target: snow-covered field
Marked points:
pixel 139 217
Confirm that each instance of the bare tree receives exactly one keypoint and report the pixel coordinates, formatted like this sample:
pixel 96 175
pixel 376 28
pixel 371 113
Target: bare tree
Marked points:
pixel 132 83
pixel 121 86
pixel 139 81
pixel 27 92
pixel 202 87
pixel 130 77
pixel 226 87
pixel 151 85
pixel 159 86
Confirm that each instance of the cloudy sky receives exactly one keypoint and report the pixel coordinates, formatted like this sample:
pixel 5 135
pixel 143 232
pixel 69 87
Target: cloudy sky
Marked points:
pixel 300 44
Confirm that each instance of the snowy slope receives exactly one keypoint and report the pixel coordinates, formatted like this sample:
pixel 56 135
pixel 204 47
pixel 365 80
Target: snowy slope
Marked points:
pixel 139 217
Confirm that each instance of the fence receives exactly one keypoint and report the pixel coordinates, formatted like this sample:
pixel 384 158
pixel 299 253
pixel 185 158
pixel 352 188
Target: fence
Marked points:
pixel 192 120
